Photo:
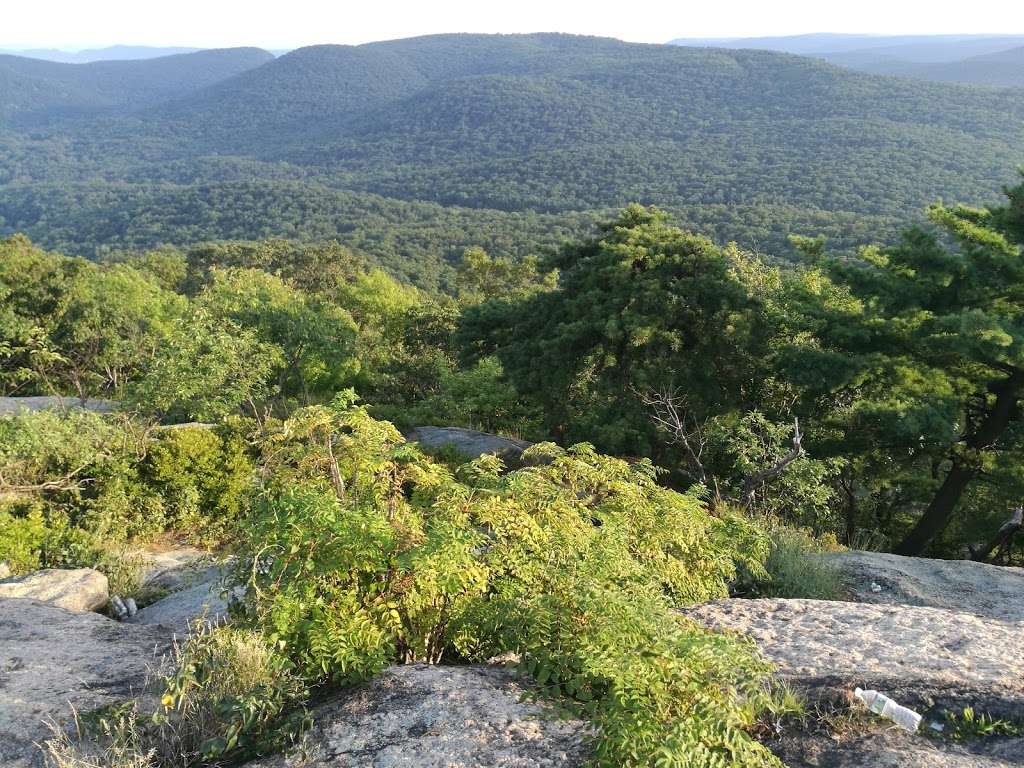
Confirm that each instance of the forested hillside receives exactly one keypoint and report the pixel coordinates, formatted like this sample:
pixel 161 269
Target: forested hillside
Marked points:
pixel 35 92
pixel 989 60
pixel 746 145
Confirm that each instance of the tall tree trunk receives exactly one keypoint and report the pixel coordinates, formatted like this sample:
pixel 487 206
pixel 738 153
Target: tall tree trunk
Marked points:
pixel 991 428
pixel 941 508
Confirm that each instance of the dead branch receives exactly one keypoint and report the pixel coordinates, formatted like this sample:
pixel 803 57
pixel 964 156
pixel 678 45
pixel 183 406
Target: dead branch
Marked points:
pixel 670 414
pixel 755 481
pixel 66 483
pixel 1003 536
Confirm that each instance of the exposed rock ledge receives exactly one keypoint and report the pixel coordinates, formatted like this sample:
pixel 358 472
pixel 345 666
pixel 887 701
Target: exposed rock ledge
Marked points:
pixel 930 659
pixel 52 659
pixel 957 585
pixel 13 405
pixel 420 716
pixel 470 443
pixel 79 589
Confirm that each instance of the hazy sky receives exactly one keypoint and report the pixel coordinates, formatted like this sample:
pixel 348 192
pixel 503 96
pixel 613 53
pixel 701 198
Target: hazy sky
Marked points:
pixel 291 23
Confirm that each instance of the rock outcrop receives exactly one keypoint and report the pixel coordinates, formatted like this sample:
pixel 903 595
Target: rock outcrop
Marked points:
pixel 934 660
pixel 81 589
pixel 197 596
pixel 14 405
pixel 957 585
pixel 438 717
pixel 917 654
pixel 470 443
pixel 52 659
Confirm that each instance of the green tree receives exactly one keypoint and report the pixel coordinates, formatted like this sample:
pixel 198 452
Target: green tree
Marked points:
pixel 315 340
pixel 642 307
pixel 925 361
pixel 206 369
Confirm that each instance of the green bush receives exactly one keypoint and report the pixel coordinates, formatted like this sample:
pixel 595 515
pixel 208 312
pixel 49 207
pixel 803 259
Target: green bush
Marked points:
pixel 78 489
pixel 204 477
pixel 22 536
pixel 795 568
pixel 364 553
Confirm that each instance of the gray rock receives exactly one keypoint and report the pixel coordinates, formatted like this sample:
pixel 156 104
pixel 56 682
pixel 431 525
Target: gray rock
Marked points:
pixel 81 589
pixel 957 585
pixel 878 645
pixel 930 659
pixel 52 659
pixel 173 569
pixel 179 610
pixel 470 443
pixel 10 406
pixel 437 717
pixel 897 749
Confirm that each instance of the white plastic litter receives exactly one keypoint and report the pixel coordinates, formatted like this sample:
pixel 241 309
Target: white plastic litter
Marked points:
pixel 875 587
pixel 882 705
pixel 119 607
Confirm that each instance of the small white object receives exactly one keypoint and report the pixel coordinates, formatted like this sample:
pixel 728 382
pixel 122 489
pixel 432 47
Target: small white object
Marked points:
pixel 876 587
pixel 130 606
pixel 119 607
pixel 885 707
pixel 936 726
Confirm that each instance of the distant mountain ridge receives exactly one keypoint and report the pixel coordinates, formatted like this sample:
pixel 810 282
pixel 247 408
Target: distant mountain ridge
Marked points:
pixel 973 59
pixel 749 145
pixel 111 53
pixel 38 90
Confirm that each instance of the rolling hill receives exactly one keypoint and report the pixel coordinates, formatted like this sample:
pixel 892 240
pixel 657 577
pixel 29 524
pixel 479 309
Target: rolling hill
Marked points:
pixel 991 60
pixel 112 53
pixel 34 92
pixel 746 144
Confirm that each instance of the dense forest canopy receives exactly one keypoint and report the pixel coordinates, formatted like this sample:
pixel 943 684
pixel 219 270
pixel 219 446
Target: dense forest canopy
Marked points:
pixel 749 146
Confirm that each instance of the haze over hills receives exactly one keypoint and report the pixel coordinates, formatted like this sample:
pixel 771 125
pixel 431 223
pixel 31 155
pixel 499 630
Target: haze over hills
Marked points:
pixel 748 145
pixel 111 53
pixel 992 60
pixel 36 92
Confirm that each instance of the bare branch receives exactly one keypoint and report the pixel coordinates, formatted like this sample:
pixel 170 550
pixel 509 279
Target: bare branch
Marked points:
pixel 670 414
pixel 753 482
pixel 1003 536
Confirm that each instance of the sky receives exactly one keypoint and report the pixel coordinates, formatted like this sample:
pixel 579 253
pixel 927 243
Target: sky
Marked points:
pixel 75 24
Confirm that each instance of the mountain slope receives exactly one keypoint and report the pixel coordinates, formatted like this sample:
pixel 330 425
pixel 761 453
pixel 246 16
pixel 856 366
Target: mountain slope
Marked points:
pixel 748 144
pixel 1001 69
pixel 554 122
pixel 991 60
pixel 112 53
pixel 33 91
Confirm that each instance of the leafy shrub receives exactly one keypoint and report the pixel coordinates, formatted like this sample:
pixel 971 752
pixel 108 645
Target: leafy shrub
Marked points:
pixel 478 398
pixel 22 536
pixel 79 489
pixel 204 477
pixel 795 569
pixel 364 552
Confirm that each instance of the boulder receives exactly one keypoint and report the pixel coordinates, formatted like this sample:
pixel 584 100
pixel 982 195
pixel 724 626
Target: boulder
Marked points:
pixel 81 589
pixel 958 585
pixel 200 599
pixel 879 646
pixel 52 659
pixel 470 443
pixel 173 569
pixel 10 406
pixel 933 660
pixel 437 717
